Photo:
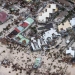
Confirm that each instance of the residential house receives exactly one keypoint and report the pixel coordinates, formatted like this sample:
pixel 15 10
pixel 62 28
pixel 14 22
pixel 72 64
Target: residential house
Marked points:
pixel 64 26
pixel 44 40
pixel 17 35
pixel 35 44
pixel 21 40
pixel 49 34
pixel 42 16
pixel 70 51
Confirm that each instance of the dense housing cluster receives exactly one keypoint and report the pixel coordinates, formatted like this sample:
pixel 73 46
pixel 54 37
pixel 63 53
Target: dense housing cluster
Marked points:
pixel 37 37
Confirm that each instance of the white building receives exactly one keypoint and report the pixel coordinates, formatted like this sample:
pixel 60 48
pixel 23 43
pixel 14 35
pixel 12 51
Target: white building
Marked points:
pixel 70 51
pixel 37 44
pixel 50 8
pixel 49 34
pixel 72 22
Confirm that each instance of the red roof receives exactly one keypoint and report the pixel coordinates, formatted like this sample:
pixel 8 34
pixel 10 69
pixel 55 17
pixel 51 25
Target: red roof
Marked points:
pixel 24 24
pixel 17 30
pixel 3 16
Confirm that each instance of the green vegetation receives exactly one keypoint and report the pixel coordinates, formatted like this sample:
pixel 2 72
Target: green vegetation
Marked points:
pixel 56 15
pixel 34 29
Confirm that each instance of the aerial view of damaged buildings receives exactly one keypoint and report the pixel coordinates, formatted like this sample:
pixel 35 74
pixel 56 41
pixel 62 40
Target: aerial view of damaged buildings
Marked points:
pixel 40 27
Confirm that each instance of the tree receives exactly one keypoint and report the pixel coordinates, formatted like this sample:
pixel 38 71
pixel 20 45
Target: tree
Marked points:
pixel 34 29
